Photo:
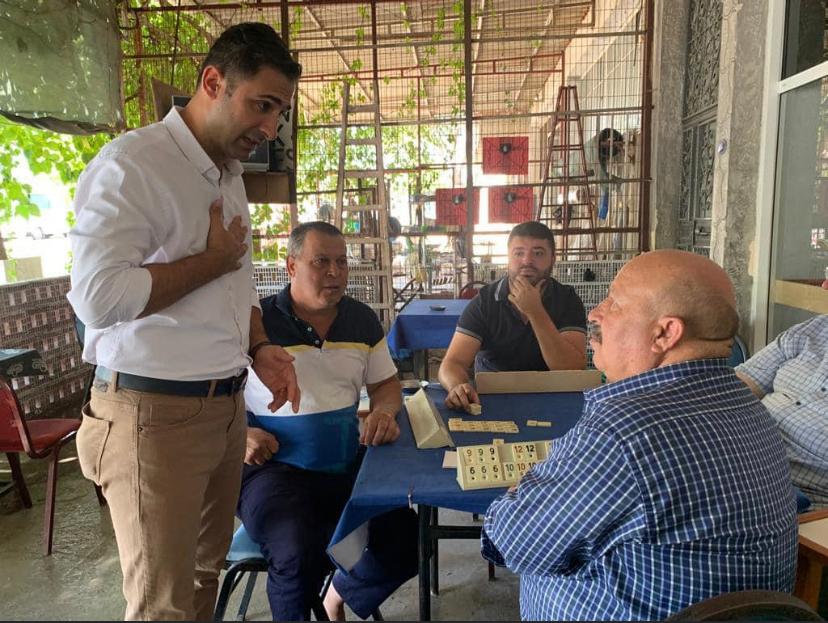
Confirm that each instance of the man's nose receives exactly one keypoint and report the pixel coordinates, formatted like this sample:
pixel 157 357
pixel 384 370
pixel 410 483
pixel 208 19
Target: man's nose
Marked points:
pixel 595 313
pixel 270 126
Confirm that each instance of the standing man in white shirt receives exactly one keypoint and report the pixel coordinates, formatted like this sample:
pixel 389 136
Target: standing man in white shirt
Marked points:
pixel 162 279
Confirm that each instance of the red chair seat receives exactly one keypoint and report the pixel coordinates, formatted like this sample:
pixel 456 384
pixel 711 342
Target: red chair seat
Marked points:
pixel 44 434
pixel 10 439
pixel 47 432
pixel 39 439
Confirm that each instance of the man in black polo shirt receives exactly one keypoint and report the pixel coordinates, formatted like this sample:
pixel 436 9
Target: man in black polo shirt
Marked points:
pixel 526 321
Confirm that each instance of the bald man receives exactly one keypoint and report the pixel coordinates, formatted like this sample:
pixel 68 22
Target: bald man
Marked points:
pixel 673 486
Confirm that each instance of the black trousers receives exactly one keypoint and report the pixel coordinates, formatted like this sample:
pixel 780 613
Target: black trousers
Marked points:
pixel 293 513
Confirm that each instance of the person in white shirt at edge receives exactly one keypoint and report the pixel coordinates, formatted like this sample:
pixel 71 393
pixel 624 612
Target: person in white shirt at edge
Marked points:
pixel 526 321
pixel 162 279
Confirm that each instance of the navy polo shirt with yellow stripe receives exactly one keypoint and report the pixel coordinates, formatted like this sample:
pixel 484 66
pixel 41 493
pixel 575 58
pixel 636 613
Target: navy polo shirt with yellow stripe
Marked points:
pixel 324 435
pixel 508 343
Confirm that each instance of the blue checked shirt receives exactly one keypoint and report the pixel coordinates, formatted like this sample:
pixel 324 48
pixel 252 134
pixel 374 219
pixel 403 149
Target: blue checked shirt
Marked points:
pixel 793 372
pixel 673 487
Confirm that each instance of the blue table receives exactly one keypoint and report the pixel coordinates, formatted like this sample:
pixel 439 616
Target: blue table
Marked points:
pixel 401 475
pixel 418 327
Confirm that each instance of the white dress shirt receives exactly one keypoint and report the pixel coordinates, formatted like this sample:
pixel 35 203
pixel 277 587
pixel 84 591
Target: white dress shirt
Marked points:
pixel 144 199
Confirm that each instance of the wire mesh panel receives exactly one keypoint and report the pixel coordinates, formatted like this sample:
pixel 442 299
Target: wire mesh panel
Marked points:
pixel 591 279
pixel 454 77
pixel 270 279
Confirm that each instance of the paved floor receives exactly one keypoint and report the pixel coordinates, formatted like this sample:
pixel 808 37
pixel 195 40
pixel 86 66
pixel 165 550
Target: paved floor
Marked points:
pixel 82 579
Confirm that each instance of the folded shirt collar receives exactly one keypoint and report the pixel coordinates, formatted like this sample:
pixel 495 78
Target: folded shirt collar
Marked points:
pixel 192 149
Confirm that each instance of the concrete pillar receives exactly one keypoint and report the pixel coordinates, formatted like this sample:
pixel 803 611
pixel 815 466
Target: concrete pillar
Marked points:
pixel 736 168
pixel 669 61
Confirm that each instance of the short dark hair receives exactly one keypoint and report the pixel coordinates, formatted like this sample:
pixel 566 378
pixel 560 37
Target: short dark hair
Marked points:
pixel 533 229
pixel 297 237
pixel 242 50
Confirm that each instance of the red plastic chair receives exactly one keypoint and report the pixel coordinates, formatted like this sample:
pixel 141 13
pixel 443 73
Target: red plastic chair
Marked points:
pixel 39 439
pixel 470 290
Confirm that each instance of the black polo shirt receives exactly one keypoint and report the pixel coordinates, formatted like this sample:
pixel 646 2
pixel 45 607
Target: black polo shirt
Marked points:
pixel 507 342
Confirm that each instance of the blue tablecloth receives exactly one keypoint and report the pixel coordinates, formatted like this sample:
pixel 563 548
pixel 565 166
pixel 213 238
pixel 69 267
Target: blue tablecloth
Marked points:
pixel 389 473
pixel 418 326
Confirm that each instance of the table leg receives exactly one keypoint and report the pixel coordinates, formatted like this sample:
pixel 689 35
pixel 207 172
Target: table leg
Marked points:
pixel 435 555
pixel 18 481
pixel 808 580
pixel 424 551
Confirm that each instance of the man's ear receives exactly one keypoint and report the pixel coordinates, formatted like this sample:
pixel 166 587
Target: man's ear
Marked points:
pixel 668 332
pixel 212 81
pixel 290 262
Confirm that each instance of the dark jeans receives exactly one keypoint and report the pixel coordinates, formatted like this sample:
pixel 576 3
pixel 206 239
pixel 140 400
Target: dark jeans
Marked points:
pixel 293 513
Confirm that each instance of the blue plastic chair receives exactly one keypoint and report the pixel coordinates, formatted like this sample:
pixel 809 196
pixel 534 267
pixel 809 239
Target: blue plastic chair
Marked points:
pixel 739 352
pixel 803 502
pixel 245 556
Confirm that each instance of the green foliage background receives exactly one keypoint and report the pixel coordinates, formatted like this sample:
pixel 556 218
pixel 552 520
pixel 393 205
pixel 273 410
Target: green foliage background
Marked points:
pixel 64 157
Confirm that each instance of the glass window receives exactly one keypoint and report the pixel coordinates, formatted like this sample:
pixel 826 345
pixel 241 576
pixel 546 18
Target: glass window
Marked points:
pixel 806 38
pixel 800 221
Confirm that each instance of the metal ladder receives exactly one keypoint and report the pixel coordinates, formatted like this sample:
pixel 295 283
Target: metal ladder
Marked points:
pixel 362 208
pixel 564 169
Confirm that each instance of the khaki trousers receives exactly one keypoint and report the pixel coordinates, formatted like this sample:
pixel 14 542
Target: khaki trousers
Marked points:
pixel 170 468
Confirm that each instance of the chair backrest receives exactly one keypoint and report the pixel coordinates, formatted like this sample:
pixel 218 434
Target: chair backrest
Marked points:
pixel 470 290
pixel 80 334
pixel 748 606
pixel 12 424
pixel 738 353
pixel 80 331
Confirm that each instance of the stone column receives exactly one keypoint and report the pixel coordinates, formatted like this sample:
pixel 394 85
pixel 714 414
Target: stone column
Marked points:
pixel 669 60
pixel 736 169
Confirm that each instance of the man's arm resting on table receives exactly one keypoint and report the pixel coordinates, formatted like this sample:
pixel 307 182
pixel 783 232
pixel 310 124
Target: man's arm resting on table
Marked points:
pixel 567 505
pixel 453 373
pixel 380 425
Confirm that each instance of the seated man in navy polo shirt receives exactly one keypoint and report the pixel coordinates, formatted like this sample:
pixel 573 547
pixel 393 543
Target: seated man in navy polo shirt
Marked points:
pixel 526 321
pixel 300 467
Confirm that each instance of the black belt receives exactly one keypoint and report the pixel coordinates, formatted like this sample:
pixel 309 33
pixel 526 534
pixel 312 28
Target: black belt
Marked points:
pixel 224 387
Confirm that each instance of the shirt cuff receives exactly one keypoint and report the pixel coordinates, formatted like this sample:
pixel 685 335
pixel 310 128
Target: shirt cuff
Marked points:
pixel 489 551
pixel 254 299
pixel 468 332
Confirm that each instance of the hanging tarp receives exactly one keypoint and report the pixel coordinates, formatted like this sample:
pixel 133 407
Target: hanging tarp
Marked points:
pixel 60 64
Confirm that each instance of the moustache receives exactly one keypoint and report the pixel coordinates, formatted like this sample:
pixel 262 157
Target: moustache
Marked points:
pixel 594 331
pixel 256 138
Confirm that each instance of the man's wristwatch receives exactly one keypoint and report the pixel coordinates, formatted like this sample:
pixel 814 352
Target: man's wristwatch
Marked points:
pixel 258 345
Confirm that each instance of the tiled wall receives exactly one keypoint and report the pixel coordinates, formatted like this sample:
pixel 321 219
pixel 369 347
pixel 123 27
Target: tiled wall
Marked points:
pixel 36 314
